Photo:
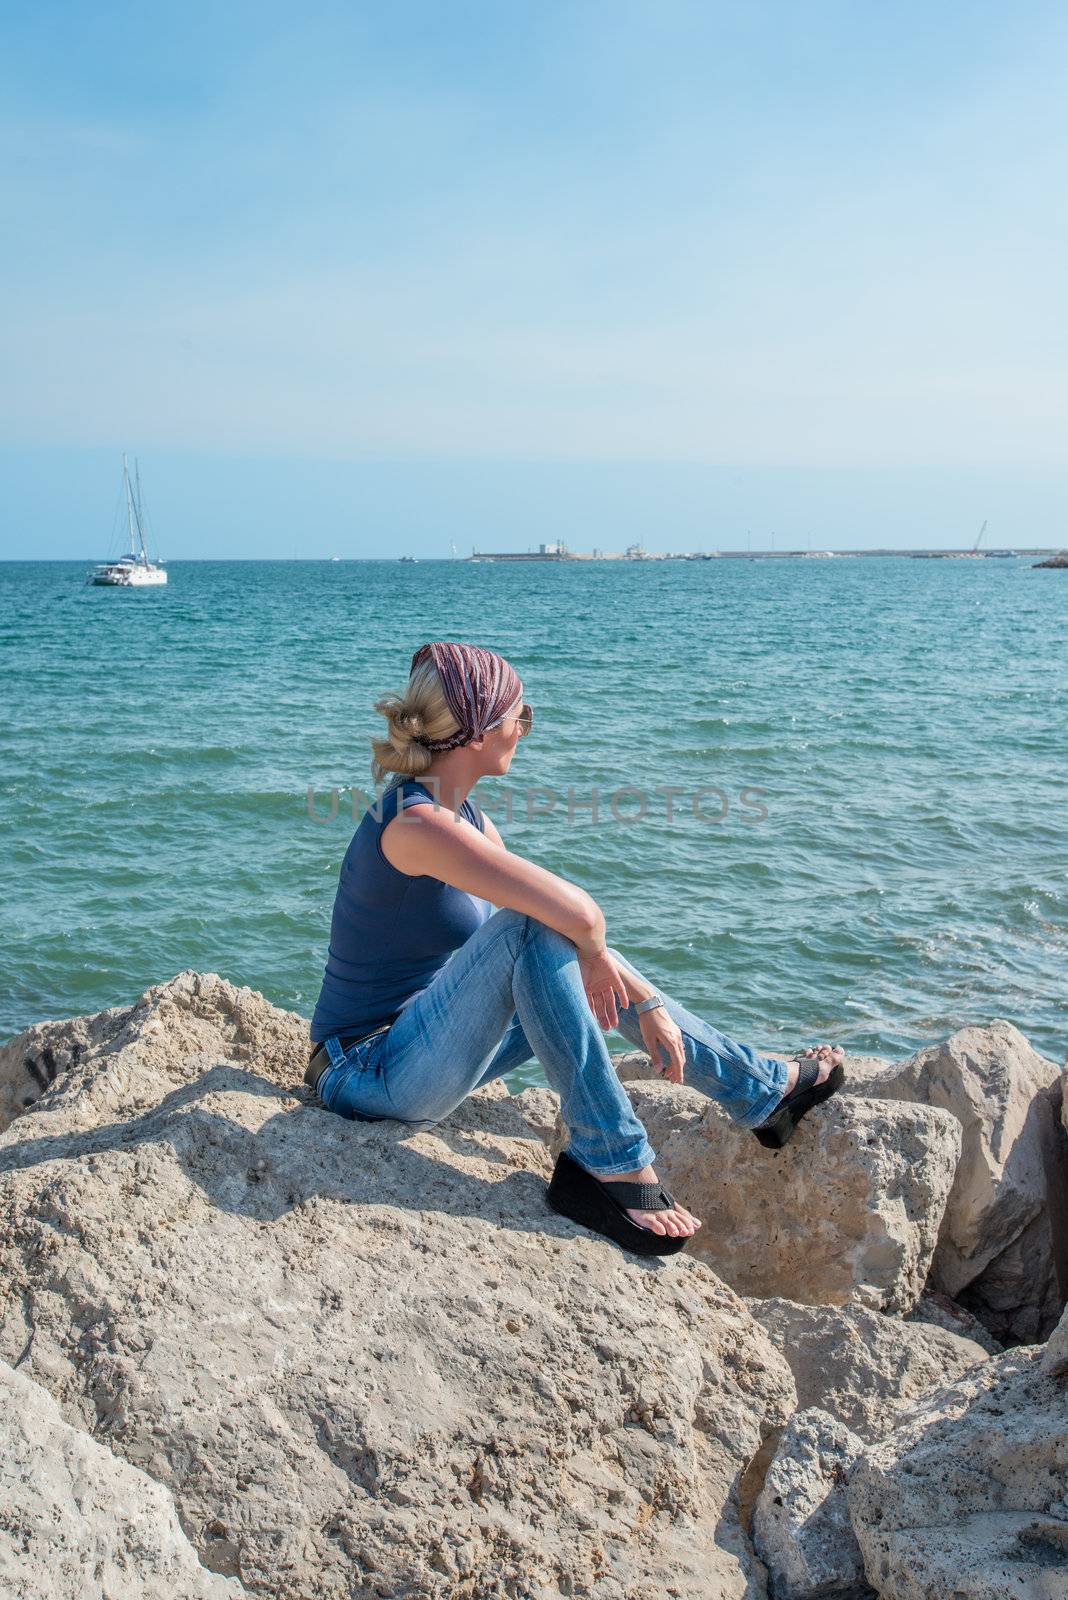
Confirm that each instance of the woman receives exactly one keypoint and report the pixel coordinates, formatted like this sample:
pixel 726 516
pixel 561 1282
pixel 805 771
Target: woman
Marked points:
pixel 429 992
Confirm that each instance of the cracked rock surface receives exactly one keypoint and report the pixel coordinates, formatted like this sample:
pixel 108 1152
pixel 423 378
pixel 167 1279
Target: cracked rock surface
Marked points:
pixel 969 1495
pixel 364 1361
pixel 77 1520
pixel 263 1350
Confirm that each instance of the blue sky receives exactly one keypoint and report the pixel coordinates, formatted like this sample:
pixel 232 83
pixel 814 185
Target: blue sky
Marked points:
pixel 370 278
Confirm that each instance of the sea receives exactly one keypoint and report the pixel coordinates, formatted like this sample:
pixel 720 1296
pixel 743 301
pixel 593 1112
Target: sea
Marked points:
pixel 815 799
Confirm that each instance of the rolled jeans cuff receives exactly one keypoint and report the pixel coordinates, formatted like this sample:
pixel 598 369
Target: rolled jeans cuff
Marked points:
pixel 640 1155
pixel 763 1108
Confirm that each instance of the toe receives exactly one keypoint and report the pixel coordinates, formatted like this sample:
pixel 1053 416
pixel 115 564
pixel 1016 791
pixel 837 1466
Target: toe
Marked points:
pixel 672 1224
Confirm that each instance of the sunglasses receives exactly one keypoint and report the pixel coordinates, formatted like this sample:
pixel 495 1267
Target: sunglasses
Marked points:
pixel 525 718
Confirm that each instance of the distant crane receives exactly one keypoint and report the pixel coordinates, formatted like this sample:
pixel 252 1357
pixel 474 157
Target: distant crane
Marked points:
pixel 975 546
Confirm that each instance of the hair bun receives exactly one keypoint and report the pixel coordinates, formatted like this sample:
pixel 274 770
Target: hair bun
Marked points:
pixel 409 723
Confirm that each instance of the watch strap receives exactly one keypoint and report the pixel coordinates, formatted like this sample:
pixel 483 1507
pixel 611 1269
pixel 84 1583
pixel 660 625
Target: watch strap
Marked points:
pixel 653 1001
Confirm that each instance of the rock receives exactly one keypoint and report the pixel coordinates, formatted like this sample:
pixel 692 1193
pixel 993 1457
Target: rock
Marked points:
pixel 98 1061
pixel 1059 560
pixel 78 1521
pixel 862 1367
pixel 540 1109
pixel 847 1212
pixel 940 1311
pixel 1003 1246
pixel 366 1360
pixel 801 1526
pixel 1054 1357
pixel 31 1063
pixel 968 1497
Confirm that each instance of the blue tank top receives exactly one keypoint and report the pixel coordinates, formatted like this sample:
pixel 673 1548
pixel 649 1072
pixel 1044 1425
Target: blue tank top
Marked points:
pixel 389 932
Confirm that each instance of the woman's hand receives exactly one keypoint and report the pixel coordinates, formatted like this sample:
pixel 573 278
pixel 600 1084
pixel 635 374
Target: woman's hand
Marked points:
pixel 663 1040
pixel 603 982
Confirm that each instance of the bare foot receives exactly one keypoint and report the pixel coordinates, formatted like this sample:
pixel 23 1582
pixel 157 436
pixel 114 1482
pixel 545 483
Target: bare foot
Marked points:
pixel 676 1222
pixel 829 1057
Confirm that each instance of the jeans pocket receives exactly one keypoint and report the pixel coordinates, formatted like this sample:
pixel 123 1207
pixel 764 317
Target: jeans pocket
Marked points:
pixel 354 1087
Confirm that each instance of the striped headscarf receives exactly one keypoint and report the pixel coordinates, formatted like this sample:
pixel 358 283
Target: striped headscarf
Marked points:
pixel 479 687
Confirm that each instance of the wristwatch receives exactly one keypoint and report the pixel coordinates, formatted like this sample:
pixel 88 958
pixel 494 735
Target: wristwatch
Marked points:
pixel 651 1004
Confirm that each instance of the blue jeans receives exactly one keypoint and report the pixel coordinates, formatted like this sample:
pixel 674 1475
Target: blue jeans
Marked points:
pixel 514 991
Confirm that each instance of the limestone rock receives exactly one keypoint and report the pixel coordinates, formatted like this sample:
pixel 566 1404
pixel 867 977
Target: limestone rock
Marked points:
pixel 364 1360
pixel 1005 1228
pixel 801 1526
pixel 1054 1357
pixel 75 1520
pixel 103 1062
pixel 862 1367
pixel 540 1109
pixel 941 1311
pixel 847 1212
pixel 968 1497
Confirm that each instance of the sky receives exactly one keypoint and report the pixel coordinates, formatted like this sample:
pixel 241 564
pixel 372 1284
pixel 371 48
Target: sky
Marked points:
pixel 376 279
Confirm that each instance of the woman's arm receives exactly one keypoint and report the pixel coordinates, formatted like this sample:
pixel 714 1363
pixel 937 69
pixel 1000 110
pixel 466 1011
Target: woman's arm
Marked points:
pixel 637 988
pixel 431 840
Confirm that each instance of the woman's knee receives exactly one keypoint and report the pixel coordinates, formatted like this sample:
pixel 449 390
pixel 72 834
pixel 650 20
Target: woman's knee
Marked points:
pixel 530 928
pixel 549 938
pixel 511 923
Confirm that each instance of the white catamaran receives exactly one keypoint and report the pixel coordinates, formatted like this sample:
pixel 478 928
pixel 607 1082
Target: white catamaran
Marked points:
pixel 135 569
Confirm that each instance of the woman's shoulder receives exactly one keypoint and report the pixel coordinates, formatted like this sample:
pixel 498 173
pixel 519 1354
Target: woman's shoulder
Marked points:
pixel 398 796
pixel 407 794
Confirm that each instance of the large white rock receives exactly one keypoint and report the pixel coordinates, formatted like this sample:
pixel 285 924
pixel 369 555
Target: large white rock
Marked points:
pixel 847 1212
pixel 968 1497
pixel 801 1526
pixel 367 1361
pixel 1003 1245
pixel 861 1366
pixel 77 1521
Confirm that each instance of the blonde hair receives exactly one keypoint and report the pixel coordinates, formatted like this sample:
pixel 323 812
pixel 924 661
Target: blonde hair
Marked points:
pixel 420 712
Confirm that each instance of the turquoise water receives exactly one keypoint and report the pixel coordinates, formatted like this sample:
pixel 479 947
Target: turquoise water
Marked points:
pixel 906 722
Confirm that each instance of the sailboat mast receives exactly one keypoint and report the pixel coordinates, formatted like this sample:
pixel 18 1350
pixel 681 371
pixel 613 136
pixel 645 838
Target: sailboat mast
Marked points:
pixel 140 514
pixel 129 503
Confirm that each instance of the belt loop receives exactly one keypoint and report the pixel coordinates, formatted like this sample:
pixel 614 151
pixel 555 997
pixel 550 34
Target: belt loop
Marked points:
pixel 334 1050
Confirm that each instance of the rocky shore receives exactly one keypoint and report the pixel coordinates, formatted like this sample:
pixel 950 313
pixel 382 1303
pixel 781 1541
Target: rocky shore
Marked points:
pixel 249 1348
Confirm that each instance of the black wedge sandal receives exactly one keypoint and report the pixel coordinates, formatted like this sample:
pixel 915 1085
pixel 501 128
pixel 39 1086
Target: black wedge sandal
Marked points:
pixel 778 1129
pixel 576 1194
